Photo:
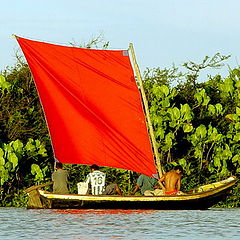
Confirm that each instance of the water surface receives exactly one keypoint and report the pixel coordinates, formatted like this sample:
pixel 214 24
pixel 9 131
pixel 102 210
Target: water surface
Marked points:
pixel 19 223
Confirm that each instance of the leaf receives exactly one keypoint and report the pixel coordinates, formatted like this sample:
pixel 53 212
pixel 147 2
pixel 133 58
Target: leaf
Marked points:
pixel 182 162
pixel 185 108
pixel 201 131
pixel 17 145
pixel 173 93
pixel 217 162
pixel 173 163
pixel 224 171
pixel 202 97
pixel 37 143
pixel 237 126
pixel 238 111
pixel 231 117
pixel 236 158
pixel 226 154
pixel 198 97
pixel 8 166
pixel 168 139
pixel 236 137
pixel 219 108
pixel 4 84
pixel 176 113
pixel 158 94
pixel 187 127
pixel 29 146
pixel 35 169
pixel 13 159
pixel 237 84
pixel 165 103
pixel 186 112
pixel 210 168
pixel 165 90
pixel 213 134
pixel 206 100
pixel 173 124
pixel 160 133
pixel 42 151
pixel 228 85
pixel 7 148
pixel 2 161
pixel 235 72
pixel 1 153
pixel 2 79
pixel 211 109
pixel 198 153
pixel 4 173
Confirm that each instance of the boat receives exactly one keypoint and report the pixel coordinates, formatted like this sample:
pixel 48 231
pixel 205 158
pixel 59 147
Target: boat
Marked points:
pixel 200 198
pixel 97 114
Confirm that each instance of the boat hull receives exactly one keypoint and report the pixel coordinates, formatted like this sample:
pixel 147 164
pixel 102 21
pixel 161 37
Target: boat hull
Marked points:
pixel 202 198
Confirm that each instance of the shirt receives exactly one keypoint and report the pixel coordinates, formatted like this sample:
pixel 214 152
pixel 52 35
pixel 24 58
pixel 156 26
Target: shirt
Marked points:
pixel 97 181
pixel 146 183
pixel 60 181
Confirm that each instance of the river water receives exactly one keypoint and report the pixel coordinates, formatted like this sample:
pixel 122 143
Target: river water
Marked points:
pixel 19 223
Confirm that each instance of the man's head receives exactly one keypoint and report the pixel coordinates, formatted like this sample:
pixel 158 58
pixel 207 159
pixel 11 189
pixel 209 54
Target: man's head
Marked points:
pixel 178 169
pixel 94 167
pixel 59 165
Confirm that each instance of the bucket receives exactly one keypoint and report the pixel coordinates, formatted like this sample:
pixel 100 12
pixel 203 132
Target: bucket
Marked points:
pixel 82 188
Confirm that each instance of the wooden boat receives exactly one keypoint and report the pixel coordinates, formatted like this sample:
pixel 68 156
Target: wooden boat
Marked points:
pixel 95 115
pixel 202 198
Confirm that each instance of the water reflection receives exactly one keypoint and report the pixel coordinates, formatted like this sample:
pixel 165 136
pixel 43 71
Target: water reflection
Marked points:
pixel 101 211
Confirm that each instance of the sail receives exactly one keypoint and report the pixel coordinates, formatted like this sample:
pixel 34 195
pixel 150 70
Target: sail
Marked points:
pixel 92 105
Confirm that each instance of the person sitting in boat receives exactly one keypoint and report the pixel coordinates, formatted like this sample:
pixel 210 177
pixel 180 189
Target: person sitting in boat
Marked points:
pixel 171 181
pixel 145 183
pixel 60 179
pixel 97 180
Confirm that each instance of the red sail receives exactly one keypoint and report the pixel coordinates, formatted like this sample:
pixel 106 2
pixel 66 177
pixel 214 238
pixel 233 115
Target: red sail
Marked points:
pixel 92 106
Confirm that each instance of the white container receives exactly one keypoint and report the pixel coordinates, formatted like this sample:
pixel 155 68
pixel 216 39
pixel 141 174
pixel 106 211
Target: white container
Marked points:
pixel 82 188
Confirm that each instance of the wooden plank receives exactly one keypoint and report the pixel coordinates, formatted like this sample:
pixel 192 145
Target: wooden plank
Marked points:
pixel 28 190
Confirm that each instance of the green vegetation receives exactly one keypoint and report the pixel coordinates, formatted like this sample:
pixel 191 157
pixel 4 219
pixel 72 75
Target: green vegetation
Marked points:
pixel 197 125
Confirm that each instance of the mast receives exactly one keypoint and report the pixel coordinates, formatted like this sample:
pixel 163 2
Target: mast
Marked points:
pixel 145 103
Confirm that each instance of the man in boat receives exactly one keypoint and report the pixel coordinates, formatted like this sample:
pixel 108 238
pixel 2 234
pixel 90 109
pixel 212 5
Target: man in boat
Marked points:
pixel 60 180
pixel 145 184
pixel 171 181
pixel 97 179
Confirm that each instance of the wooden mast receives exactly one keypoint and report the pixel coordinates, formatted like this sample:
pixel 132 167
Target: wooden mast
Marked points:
pixel 145 103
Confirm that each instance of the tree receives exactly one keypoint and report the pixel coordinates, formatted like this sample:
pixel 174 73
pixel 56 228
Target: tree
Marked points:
pixel 197 125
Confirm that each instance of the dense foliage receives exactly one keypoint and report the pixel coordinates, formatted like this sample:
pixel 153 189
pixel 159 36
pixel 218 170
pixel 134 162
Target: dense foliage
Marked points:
pixel 197 125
